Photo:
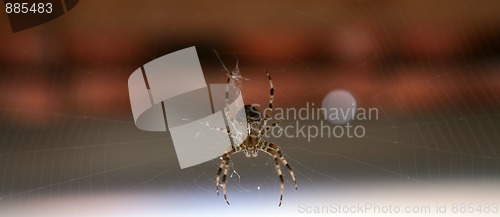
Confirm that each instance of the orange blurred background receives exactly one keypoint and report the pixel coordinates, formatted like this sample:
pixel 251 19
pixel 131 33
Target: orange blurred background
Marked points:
pixel 401 56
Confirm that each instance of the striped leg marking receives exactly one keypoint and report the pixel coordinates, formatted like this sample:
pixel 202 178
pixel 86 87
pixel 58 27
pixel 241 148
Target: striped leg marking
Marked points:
pixel 271 152
pixel 283 160
pixel 223 166
pixel 269 110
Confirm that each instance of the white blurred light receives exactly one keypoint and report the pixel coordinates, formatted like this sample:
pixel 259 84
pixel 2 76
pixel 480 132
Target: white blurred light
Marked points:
pixel 342 103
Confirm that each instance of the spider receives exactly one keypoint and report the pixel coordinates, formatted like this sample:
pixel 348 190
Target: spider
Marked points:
pixel 254 143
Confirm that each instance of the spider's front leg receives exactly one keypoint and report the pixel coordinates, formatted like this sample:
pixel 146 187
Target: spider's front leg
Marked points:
pixel 269 110
pixel 223 166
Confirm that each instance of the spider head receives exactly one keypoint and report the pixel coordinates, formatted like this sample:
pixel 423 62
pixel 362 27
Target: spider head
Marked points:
pixel 253 117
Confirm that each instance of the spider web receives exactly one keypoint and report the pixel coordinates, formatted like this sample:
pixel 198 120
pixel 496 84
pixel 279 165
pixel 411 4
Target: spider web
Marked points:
pixel 94 156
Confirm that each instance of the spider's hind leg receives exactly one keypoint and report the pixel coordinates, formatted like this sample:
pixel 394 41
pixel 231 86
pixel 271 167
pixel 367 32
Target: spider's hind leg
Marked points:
pixel 224 166
pixel 283 160
pixel 271 152
pixel 275 151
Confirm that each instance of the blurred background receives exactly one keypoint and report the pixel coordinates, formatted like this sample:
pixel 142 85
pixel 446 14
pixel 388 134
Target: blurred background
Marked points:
pixel 432 68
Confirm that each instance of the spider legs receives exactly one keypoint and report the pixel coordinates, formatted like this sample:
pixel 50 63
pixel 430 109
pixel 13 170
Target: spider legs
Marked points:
pixel 224 166
pixel 271 95
pixel 269 110
pixel 276 153
pixel 222 63
pixel 278 171
pixel 267 128
pixel 283 160
pixel 224 187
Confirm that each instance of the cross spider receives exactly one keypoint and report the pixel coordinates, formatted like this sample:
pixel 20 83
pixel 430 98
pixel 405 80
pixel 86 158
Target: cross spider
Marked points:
pixel 253 143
